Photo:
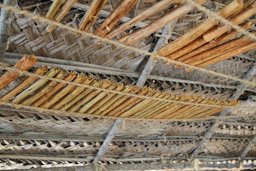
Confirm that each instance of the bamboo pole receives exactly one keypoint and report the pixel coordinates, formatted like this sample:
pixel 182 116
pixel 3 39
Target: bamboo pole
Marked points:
pixel 142 16
pixel 224 38
pixel 23 85
pixel 91 15
pixel 185 50
pixel 168 108
pixel 158 24
pixel 144 105
pixel 64 11
pixel 247 13
pixel 123 8
pixel 56 4
pixel 24 64
pixel 200 29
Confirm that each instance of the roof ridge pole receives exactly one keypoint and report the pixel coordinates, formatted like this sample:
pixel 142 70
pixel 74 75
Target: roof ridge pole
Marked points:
pixel 4 28
pixel 209 133
pixel 117 124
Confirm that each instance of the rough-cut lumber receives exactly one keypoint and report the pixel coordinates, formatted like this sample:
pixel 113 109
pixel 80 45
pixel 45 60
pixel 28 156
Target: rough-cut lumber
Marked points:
pixel 229 54
pixel 200 45
pixel 142 16
pixel 200 30
pixel 91 15
pixel 56 4
pixel 26 62
pixel 63 12
pixel 158 24
pixel 123 8
pixel 247 13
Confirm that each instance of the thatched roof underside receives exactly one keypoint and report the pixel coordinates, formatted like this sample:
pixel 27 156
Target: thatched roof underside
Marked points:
pixel 128 85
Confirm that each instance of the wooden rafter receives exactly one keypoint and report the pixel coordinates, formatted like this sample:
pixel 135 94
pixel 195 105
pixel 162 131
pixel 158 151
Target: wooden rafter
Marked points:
pixel 91 15
pixel 63 12
pixel 158 24
pixel 123 8
pixel 200 30
pixel 144 15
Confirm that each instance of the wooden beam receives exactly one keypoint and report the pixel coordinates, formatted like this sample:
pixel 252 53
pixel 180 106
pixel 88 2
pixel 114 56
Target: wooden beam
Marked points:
pixel 108 140
pixel 4 28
